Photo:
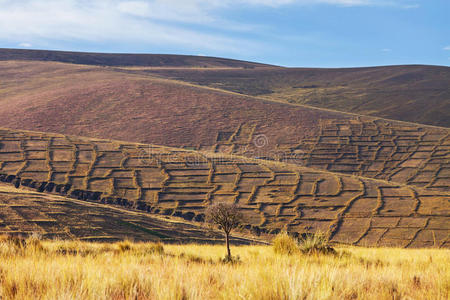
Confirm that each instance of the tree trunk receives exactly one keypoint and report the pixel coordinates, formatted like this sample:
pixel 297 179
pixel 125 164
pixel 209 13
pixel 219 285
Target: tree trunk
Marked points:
pixel 227 239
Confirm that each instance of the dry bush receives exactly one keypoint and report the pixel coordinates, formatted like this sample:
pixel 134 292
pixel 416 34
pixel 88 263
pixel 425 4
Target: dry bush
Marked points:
pixel 124 245
pixel 317 243
pixel 283 243
pixel 139 248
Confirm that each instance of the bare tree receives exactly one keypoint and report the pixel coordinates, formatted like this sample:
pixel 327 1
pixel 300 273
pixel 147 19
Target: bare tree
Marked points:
pixel 227 217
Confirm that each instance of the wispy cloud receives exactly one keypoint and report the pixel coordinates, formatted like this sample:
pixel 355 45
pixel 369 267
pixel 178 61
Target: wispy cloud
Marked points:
pixel 447 48
pixel 114 21
pixel 193 24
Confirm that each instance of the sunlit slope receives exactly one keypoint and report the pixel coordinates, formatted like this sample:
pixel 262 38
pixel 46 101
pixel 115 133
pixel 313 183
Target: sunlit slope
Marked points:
pixel 414 93
pixel 24 212
pixel 103 103
pixel 273 196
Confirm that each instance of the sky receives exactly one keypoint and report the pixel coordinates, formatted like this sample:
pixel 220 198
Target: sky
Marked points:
pixel 294 33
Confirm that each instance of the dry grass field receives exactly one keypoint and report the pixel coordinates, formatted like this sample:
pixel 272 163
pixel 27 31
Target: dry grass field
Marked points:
pixel 81 270
pixel 182 183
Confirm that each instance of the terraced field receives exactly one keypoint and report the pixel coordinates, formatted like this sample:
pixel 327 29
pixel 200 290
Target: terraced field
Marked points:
pixel 273 196
pixel 402 153
pixel 24 212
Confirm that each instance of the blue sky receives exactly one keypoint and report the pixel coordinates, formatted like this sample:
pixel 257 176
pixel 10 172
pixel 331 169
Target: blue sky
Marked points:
pixel 303 33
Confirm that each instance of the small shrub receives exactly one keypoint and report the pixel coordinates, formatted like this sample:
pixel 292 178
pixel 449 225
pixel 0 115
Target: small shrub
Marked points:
pixel 283 243
pixel 124 246
pixel 231 259
pixel 316 243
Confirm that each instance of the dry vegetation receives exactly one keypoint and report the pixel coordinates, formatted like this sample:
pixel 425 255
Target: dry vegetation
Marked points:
pixel 125 270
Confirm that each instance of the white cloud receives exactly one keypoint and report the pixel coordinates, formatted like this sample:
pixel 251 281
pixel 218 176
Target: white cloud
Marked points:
pixel 386 50
pixel 143 22
pixel 447 48
pixel 25 45
pixel 112 21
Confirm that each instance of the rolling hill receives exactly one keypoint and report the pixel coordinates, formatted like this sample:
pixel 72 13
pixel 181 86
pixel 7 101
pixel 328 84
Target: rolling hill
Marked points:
pixel 413 93
pixel 91 101
pixel 182 183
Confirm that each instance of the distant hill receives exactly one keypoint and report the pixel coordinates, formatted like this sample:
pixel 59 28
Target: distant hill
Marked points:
pixel 415 93
pixel 119 59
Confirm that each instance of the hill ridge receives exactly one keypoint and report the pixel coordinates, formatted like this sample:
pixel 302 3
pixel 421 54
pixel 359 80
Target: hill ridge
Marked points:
pixel 121 59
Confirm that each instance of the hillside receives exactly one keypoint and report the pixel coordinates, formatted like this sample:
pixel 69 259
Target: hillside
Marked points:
pixel 121 59
pixel 413 93
pixel 273 196
pixel 106 103
pixel 24 212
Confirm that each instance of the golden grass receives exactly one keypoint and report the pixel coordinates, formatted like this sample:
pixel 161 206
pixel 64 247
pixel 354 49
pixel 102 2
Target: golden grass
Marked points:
pixel 80 270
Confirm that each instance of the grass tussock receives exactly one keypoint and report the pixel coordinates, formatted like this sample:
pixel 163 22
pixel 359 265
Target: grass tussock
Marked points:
pixel 16 245
pixel 283 243
pixel 127 270
pixel 317 243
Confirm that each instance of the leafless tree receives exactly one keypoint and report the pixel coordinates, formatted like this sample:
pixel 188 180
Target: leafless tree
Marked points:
pixel 227 217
